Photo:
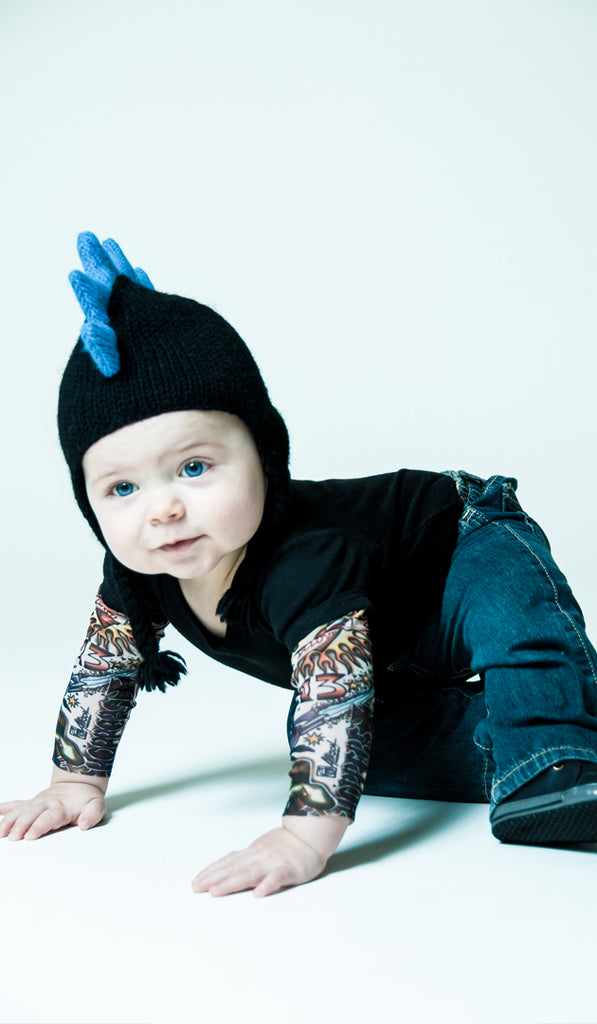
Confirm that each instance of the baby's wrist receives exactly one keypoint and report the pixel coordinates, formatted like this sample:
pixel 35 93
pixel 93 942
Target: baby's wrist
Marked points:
pixel 322 833
pixel 59 776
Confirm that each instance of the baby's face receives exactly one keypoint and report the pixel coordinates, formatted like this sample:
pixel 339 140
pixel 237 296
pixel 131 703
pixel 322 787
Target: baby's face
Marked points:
pixel 181 493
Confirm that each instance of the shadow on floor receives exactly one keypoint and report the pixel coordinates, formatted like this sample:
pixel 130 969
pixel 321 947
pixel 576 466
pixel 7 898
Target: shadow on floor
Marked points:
pixel 248 771
pixel 433 817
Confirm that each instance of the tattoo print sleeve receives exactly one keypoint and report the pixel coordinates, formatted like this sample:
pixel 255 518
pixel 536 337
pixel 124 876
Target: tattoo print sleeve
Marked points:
pixel 331 735
pixel 100 695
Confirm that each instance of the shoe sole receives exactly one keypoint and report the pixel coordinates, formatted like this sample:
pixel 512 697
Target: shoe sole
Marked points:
pixel 565 817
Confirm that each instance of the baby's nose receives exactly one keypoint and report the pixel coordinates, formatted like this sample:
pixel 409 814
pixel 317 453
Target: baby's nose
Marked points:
pixel 164 507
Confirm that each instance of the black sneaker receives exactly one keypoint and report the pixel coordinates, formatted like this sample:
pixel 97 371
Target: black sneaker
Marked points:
pixel 558 806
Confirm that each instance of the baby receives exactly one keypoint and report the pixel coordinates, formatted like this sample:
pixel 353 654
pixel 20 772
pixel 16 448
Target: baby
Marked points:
pixel 432 646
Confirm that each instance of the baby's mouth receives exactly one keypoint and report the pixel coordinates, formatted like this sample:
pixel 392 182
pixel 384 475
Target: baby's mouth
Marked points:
pixel 179 545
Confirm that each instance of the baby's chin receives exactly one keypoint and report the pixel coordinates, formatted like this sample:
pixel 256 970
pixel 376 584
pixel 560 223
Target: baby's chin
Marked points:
pixel 200 566
pixel 137 567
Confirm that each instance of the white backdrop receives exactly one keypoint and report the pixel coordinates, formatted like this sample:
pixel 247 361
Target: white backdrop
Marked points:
pixel 394 203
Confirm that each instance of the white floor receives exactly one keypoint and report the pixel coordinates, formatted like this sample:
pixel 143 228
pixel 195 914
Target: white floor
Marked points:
pixel 421 916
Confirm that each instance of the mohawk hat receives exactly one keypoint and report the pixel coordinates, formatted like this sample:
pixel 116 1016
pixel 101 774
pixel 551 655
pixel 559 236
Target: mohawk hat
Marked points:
pixel 142 353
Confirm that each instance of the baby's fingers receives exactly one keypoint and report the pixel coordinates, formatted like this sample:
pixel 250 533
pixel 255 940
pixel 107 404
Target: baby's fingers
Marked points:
pixel 92 813
pixel 216 875
pixel 9 805
pixel 241 871
pixel 279 878
pixel 223 880
pixel 34 822
pixel 11 813
pixel 224 883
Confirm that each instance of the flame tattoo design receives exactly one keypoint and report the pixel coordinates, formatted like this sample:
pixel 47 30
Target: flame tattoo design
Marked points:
pixel 100 695
pixel 331 735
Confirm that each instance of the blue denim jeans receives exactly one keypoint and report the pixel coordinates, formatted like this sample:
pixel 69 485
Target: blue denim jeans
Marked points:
pixel 508 618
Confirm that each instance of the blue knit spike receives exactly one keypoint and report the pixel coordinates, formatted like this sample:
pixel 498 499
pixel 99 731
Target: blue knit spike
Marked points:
pixel 100 341
pixel 143 279
pixel 96 261
pixel 92 296
pixel 102 265
pixel 123 266
pixel 118 259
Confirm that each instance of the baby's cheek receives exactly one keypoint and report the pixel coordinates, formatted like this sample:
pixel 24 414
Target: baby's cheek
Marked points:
pixel 121 543
pixel 250 514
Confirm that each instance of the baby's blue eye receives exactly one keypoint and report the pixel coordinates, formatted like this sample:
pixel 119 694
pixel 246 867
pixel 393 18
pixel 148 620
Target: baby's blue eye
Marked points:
pixel 194 469
pixel 123 489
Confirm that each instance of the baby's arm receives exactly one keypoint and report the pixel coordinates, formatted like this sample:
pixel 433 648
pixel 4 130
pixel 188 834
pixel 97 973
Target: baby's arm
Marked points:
pixel 333 675
pixel 95 708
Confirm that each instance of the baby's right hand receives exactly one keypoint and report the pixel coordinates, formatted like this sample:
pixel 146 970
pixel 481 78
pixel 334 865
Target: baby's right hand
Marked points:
pixel 64 803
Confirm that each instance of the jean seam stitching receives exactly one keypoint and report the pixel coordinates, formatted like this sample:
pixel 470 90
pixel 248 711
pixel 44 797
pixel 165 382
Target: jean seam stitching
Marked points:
pixel 540 753
pixel 556 595
pixel 469 515
pixel 486 780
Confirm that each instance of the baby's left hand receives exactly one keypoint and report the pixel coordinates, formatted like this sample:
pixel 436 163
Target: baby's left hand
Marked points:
pixel 273 862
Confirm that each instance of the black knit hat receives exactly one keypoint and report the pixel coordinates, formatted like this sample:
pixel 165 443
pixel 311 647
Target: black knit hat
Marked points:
pixel 142 353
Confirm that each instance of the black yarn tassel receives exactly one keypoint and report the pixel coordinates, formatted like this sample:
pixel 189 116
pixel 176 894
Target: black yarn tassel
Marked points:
pixel 158 669
pixel 163 669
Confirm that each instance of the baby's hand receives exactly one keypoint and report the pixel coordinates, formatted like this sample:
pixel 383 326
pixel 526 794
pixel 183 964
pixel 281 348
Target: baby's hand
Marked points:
pixel 291 855
pixel 276 860
pixel 64 803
